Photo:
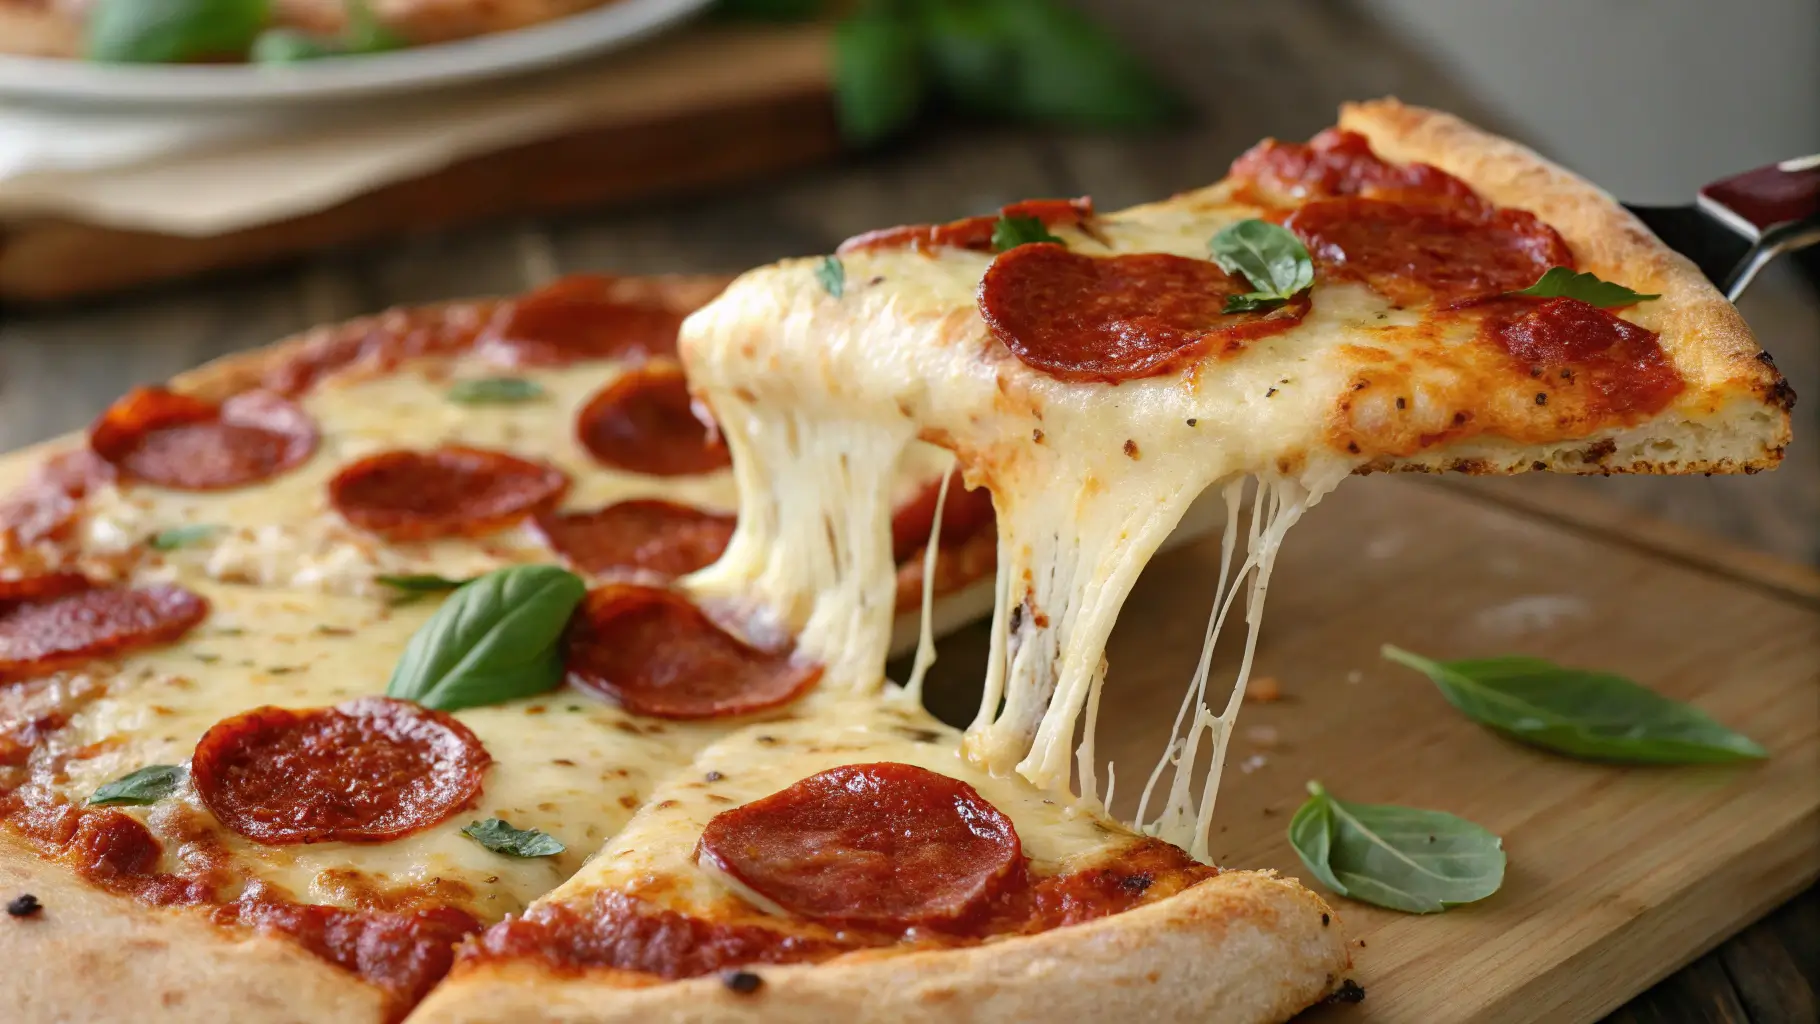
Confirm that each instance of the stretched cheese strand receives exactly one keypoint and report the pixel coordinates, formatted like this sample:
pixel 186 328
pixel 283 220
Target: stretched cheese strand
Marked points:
pixel 925 641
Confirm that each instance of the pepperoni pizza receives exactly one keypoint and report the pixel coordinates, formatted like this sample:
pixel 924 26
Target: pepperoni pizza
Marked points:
pixel 525 659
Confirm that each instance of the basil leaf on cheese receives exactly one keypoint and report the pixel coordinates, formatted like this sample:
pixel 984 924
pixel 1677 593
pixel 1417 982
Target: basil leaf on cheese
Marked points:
pixel 1402 858
pixel 1594 715
pixel 832 274
pixel 493 640
pixel 182 536
pixel 1269 256
pixel 1560 282
pixel 498 835
pixel 148 785
pixel 494 391
pixel 1011 232
pixel 167 31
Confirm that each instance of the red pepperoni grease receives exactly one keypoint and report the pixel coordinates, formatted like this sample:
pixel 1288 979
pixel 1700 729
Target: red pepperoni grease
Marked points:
pixel 646 534
pixel 1114 318
pixel 59 621
pixel 657 654
pixel 366 771
pixel 875 845
pixel 443 492
pixel 160 437
pixel 645 422
pixel 576 318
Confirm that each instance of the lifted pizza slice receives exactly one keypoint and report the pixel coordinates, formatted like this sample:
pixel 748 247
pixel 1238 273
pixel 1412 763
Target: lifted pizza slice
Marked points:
pixel 849 863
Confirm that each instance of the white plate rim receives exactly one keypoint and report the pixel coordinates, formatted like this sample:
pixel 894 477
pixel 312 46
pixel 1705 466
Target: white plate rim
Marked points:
pixel 77 82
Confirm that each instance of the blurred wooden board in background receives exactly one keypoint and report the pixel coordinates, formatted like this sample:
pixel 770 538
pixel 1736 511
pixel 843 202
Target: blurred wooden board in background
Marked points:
pixel 1617 875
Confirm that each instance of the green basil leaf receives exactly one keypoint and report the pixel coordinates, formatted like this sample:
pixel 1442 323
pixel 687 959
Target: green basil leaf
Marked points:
pixel 182 536
pixel 1011 232
pixel 1592 715
pixel 1268 255
pixel 148 785
pixel 288 46
pixel 878 75
pixel 1402 858
pixel 166 31
pixel 1560 282
pixel 494 391
pixel 832 273
pixel 498 835
pixel 493 640
pixel 365 33
pixel 421 583
pixel 972 60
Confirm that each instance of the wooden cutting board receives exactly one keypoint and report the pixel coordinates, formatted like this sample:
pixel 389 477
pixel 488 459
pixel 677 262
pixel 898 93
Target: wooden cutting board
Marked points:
pixel 1617 875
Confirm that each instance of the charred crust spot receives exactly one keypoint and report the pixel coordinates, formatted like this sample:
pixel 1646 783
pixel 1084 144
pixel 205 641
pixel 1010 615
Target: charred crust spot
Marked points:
pixel 1459 419
pixel 24 905
pixel 1781 395
pixel 1326 920
pixel 713 776
pixel 1538 465
pixel 1402 403
pixel 1136 884
pixel 1353 447
pixel 1349 992
pixel 1131 448
pixel 742 982
pixel 1598 451
pixel 1541 398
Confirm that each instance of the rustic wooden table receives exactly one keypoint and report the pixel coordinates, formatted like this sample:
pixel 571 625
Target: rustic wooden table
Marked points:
pixel 1256 70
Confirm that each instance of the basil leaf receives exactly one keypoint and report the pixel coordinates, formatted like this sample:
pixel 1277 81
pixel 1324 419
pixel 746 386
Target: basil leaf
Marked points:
pixel 832 273
pixel 1592 715
pixel 878 76
pixel 1269 256
pixel 148 785
pixel 1402 858
pixel 288 46
pixel 182 536
pixel 493 640
pixel 165 31
pixel 1560 282
pixel 498 835
pixel 494 391
pixel 1011 232
pixel 421 583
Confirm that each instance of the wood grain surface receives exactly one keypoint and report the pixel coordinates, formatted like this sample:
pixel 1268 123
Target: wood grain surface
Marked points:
pixel 1254 70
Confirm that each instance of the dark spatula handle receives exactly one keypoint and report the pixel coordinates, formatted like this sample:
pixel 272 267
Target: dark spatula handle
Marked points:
pixel 1776 208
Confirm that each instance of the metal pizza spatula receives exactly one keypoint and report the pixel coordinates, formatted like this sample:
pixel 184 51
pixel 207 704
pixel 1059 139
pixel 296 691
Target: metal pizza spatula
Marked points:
pixel 1738 224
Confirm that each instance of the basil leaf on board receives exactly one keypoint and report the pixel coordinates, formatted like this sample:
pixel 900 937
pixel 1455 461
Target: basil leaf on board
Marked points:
pixel 832 273
pixel 878 75
pixel 288 46
pixel 1011 232
pixel 168 31
pixel 498 835
pixel 1269 256
pixel 1401 858
pixel 494 391
pixel 182 536
pixel 1560 282
pixel 1593 715
pixel 148 785
pixel 493 640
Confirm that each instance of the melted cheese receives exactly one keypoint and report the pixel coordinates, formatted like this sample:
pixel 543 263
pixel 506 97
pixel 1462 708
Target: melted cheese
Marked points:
pixel 563 762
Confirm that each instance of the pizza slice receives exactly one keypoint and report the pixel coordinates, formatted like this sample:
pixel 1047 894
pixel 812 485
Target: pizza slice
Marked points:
pixel 849 863
pixel 1404 292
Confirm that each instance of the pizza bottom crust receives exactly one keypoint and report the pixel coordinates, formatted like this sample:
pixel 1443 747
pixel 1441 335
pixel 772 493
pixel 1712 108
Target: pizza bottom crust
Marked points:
pixel 1243 947
pixel 90 955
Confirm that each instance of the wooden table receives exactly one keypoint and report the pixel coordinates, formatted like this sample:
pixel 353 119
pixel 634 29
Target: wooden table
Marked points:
pixel 1255 69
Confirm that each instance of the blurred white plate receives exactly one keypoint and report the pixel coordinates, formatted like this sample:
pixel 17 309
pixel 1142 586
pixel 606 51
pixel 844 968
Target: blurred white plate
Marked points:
pixel 340 78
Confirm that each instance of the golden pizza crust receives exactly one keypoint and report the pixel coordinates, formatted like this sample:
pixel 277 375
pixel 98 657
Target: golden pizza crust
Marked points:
pixel 1244 947
pixel 93 956
pixel 53 28
pixel 1734 416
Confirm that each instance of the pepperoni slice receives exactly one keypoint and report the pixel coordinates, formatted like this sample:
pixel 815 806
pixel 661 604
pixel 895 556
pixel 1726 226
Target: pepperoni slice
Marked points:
pixel 46 507
pixel 443 492
pixel 881 845
pixel 656 654
pixel 53 623
pixel 179 441
pixel 1622 364
pixel 970 232
pixel 651 535
pixel 645 422
pixel 578 318
pixel 1113 318
pixel 1414 253
pixel 1341 163
pixel 964 514
pixel 367 771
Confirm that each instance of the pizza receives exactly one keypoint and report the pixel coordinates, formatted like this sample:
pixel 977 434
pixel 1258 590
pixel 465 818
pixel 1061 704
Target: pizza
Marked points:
pixel 526 658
